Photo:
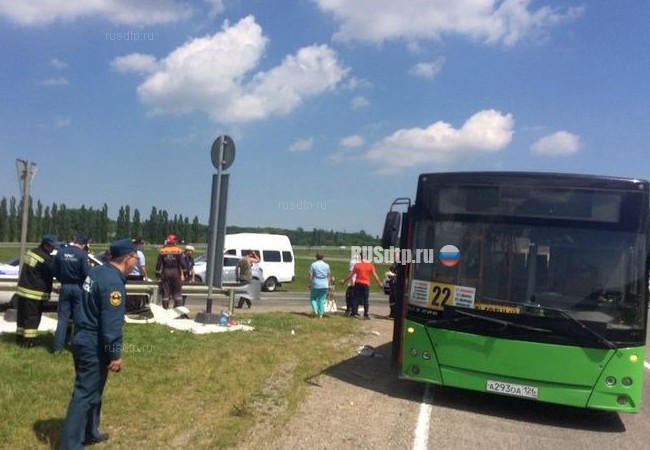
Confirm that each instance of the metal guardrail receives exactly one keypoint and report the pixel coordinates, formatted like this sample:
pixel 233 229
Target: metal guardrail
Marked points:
pixel 150 289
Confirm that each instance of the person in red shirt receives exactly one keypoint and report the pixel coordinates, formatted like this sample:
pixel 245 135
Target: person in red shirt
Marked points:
pixel 362 270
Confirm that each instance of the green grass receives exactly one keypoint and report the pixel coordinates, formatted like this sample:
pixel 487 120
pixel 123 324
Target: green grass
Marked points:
pixel 181 389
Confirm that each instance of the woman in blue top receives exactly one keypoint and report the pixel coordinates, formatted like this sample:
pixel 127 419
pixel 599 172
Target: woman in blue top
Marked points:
pixel 319 281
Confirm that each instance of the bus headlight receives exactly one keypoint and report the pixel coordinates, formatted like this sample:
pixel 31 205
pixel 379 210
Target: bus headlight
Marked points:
pixel 426 355
pixel 610 381
pixel 627 381
pixel 413 352
pixel 622 399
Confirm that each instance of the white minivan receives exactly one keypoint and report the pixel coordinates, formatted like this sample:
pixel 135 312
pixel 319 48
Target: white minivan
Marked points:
pixel 275 253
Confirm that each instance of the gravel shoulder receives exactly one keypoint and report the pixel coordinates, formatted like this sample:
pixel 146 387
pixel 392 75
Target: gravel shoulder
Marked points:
pixel 356 404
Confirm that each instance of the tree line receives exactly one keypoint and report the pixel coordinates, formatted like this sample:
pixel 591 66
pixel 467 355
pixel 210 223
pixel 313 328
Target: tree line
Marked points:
pixel 66 222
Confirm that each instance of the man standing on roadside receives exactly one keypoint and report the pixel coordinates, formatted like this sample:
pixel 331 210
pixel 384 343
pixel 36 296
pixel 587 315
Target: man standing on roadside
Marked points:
pixel 34 288
pixel 169 272
pixel 362 270
pixel 71 269
pixel 97 344
pixel 139 272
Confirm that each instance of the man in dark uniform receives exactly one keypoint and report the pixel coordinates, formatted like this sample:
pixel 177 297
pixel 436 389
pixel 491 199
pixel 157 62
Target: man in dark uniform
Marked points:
pixel 97 344
pixel 169 271
pixel 71 269
pixel 34 288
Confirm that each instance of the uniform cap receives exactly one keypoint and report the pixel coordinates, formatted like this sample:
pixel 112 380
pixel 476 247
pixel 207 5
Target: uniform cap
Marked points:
pixel 189 247
pixel 49 239
pixel 171 239
pixel 121 248
pixel 81 239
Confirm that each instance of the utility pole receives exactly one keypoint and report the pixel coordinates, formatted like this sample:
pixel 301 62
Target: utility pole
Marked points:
pixel 26 171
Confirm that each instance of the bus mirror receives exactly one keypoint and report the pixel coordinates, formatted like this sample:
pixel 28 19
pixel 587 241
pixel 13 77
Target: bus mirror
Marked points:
pixel 391 230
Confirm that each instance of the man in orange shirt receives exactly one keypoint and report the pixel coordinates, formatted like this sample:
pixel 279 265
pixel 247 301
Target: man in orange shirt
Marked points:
pixel 362 271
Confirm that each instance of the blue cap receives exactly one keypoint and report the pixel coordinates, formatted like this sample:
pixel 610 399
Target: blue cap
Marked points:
pixel 49 239
pixel 121 248
pixel 81 239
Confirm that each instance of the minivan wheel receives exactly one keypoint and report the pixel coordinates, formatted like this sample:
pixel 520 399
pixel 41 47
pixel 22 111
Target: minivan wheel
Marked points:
pixel 270 284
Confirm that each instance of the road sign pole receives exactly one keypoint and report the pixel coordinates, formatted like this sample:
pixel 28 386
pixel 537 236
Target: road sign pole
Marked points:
pixel 223 154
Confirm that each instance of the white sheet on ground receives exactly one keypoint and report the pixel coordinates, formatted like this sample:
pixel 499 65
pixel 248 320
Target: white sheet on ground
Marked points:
pixel 170 317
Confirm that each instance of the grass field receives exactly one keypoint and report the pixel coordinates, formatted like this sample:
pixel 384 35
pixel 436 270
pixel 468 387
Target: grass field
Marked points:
pixel 189 391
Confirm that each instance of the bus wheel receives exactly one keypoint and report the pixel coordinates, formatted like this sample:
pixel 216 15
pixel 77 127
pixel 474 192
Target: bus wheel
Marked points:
pixel 270 284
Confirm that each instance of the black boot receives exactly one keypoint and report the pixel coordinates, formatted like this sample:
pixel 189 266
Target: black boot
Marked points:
pixel 165 304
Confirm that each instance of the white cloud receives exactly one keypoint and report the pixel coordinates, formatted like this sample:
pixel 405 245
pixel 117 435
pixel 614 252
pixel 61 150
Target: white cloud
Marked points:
pixel 61 122
pixel 215 74
pixel 359 102
pixel 53 82
pixel 127 12
pixel 302 145
pixel 428 70
pixel 561 143
pixel 216 8
pixel 58 64
pixel 135 62
pixel 487 131
pixel 489 21
pixel 351 141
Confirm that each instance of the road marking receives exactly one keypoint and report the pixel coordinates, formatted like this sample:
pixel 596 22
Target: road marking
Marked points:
pixel 421 438
pixel 646 364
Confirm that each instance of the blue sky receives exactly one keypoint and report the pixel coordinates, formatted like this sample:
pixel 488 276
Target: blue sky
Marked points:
pixel 334 106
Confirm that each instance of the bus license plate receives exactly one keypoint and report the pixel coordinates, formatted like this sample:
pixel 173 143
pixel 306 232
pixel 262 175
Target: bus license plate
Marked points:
pixel 519 390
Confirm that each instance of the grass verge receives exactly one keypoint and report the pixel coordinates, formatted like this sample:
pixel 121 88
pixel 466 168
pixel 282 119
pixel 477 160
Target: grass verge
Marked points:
pixel 177 390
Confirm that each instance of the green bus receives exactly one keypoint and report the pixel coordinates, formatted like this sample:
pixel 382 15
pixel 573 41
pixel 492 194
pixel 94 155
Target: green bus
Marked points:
pixel 539 288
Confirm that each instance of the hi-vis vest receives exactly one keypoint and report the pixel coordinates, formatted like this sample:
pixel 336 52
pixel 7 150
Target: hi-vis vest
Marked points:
pixel 35 282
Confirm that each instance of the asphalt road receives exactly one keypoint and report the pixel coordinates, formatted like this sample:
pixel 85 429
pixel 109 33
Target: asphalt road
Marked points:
pixel 287 302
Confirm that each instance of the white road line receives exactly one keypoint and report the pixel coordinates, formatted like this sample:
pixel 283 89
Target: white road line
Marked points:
pixel 646 364
pixel 421 438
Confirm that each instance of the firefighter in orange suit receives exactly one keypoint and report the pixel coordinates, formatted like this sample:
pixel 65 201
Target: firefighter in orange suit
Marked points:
pixel 169 272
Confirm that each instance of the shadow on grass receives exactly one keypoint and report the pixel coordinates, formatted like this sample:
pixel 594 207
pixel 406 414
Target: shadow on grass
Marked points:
pixel 48 431
pixel 45 340
pixel 376 374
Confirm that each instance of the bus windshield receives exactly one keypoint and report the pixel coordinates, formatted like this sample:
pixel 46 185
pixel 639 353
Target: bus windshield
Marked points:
pixel 592 275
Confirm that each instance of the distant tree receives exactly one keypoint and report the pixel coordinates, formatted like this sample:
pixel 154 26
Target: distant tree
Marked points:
pixel 14 227
pixel 38 219
pixel 4 221
pixel 196 229
pixel 47 221
pixel 120 225
pixel 136 224
pixel 103 235
pixel 127 218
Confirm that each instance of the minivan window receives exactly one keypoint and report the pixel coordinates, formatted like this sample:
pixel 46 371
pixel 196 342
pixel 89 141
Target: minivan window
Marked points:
pixel 229 262
pixel 232 251
pixel 271 255
pixel 245 251
pixel 287 257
